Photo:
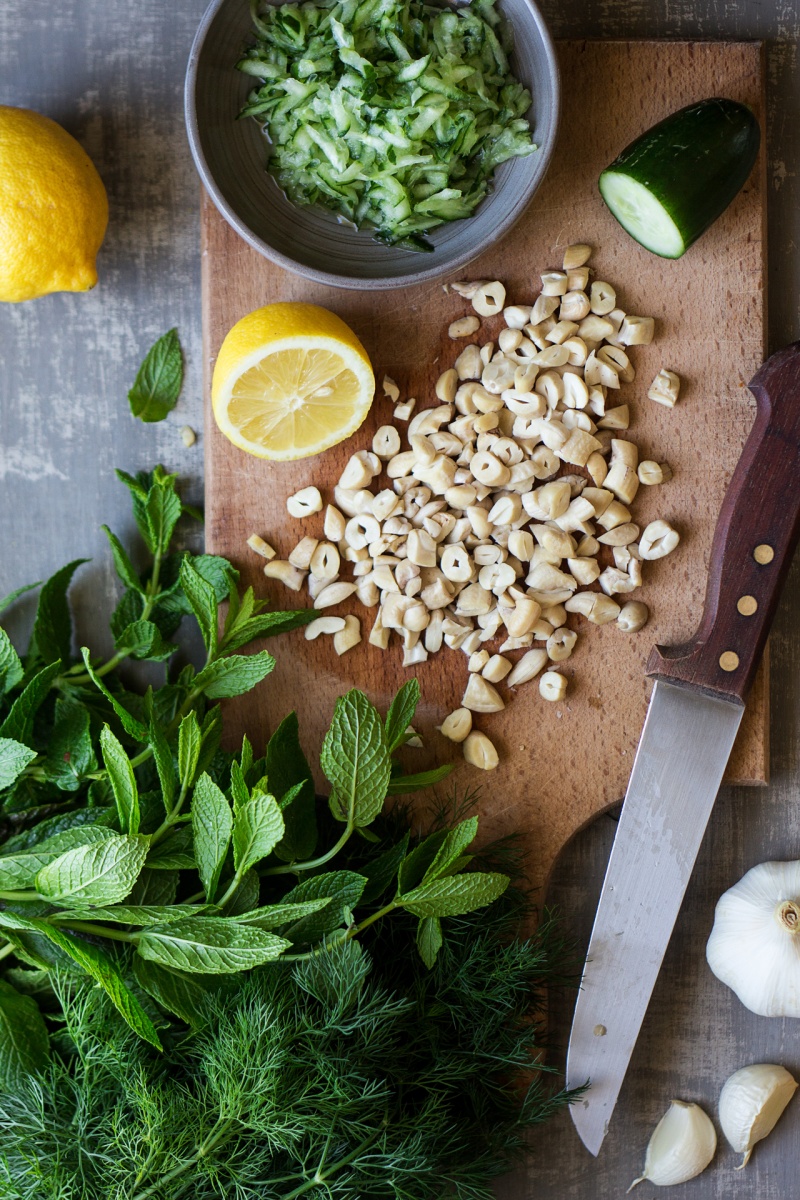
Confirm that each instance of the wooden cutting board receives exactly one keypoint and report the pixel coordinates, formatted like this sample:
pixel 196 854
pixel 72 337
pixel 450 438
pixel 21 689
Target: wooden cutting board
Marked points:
pixel 561 764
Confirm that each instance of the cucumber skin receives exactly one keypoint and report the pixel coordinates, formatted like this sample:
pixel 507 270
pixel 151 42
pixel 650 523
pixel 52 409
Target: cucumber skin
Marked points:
pixel 694 162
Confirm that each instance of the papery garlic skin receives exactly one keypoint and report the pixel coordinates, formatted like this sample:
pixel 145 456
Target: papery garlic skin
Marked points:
pixel 682 1145
pixel 751 1103
pixel 754 946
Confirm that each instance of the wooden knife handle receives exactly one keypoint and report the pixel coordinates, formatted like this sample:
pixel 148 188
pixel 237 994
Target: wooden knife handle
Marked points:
pixel 756 534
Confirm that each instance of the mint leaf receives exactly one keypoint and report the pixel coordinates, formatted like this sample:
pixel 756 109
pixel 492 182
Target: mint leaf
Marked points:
pixel 401 713
pixel 414 867
pixel 133 914
pixel 267 625
pixel 355 758
pixel 123 782
pixel 70 754
pixel 342 888
pixel 18 871
pixel 189 741
pixel 105 972
pixel 234 675
pixel 203 602
pixel 12 597
pixel 245 897
pixel 271 916
pixel 14 758
pixel 162 510
pixel 429 939
pixel 24 1041
pixel 402 784
pixel 287 767
pixel 183 995
pixel 144 640
pixel 174 853
pixel 452 848
pixel 212 822
pixel 454 896
pixel 19 722
pixel 103 873
pixel 129 723
pixel 382 871
pixel 240 793
pixel 124 566
pixel 10 666
pixel 164 764
pixel 159 380
pixel 52 628
pixel 214 945
pixel 68 839
pixel 155 887
pixel 257 829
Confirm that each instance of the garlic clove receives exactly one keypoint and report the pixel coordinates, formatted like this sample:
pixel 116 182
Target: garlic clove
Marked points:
pixel 750 1105
pixel 682 1145
pixel 754 946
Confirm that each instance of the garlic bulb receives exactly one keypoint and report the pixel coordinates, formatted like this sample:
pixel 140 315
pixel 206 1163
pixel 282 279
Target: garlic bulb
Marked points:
pixel 750 1104
pixel 755 945
pixel 682 1145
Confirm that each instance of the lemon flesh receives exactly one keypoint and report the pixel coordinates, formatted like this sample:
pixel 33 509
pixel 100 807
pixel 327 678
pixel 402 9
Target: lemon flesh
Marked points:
pixel 290 381
pixel 53 209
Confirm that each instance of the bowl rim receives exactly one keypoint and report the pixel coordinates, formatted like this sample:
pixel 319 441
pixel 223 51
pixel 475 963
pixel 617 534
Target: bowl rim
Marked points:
pixel 356 282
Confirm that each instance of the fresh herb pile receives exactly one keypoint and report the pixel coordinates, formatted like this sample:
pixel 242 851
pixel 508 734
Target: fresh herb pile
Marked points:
pixel 202 993
pixel 392 113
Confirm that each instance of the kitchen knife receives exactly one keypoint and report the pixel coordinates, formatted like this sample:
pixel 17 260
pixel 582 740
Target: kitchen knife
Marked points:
pixel 694 714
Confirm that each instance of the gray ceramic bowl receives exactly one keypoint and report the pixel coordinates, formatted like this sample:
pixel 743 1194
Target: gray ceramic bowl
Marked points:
pixel 231 155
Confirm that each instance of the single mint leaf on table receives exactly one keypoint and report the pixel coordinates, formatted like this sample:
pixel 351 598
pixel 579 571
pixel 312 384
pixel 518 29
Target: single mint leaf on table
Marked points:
pixel 234 675
pixel 355 758
pixel 181 994
pixel 429 939
pixel 257 829
pixel 401 713
pixel 11 671
pixel 203 602
pixel 52 627
pixel 342 888
pixel 105 972
pixel 102 873
pixel 14 758
pixel 123 781
pixel 451 897
pixel 24 1041
pixel 124 567
pixel 159 380
pixel 18 725
pixel 212 945
pixel 212 824
pixel 287 767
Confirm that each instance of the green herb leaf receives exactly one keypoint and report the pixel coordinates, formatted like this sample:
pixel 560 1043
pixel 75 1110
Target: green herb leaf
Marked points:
pixel 288 767
pixel 24 1041
pixel 355 758
pixel 12 597
pixel 245 897
pixel 162 510
pixel 267 625
pixel 123 781
pixel 234 675
pixel 272 916
pixel 103 873
pixel 52 629
pixel 159 380
pixel 342 888
pixel 200 595
pixel 68 839
pixel 429 939
pixel 212 822
pixel 144 640
pixel 164 764
pixel 18 871
pixel 14 758
pixel 189 741
pixel 414 867
pixel 18 725
pixel 133 914
pixel 382 872
pixel 451 897
pixel 11 671
pixel 175 852
pixel 257 829
pixel 214 945
pixel 183 995
pixel 105 972
pixel 401 713
pixel 154 887
pixel 122 563
pixel 70 754
pixel 452 848
pixel 401 785
pixel 240 793
pixel 129 723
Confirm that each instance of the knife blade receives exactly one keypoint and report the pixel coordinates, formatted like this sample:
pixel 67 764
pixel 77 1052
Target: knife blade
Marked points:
pixel 692 720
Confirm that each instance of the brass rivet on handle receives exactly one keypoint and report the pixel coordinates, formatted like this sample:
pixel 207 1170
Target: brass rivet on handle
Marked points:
pixel 763 554
pixel 747 605
pixel 729 661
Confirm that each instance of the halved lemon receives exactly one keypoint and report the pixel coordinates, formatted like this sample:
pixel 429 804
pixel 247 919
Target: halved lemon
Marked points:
pixel 291 380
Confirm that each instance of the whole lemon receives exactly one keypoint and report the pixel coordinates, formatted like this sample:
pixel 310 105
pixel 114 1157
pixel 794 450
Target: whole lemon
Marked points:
pixel 53 208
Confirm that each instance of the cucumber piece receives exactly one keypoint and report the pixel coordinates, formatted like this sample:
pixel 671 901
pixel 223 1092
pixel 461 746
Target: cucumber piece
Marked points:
pixel 668 186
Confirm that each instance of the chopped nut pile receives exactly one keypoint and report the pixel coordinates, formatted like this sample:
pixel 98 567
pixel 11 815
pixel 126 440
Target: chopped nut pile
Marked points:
pixel 477 534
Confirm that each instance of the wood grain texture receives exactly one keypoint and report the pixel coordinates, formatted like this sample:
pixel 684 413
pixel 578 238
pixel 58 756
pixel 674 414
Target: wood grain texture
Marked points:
pixel 710 320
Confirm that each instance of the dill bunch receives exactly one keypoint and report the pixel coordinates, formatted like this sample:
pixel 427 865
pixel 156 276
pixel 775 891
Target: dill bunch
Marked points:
pixel 354 1074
